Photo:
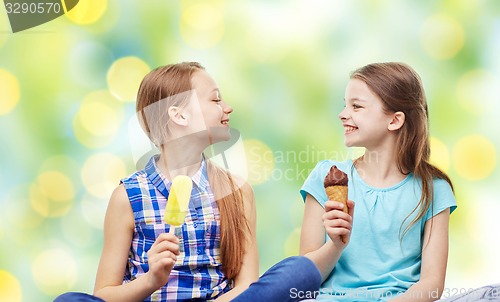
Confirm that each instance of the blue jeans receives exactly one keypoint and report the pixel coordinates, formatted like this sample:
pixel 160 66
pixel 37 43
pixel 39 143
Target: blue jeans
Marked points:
pixel 77 297
pixel 289 280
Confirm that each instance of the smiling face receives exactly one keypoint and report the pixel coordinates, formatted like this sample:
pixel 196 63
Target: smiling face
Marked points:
pixel 181 102
pixel 209 112
pixel 366 124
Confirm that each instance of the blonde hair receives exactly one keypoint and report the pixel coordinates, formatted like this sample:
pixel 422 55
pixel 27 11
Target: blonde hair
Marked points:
pixel 400 89
pixel 171 86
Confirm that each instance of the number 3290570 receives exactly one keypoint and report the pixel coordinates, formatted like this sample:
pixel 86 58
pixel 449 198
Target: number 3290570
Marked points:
pixel 33 8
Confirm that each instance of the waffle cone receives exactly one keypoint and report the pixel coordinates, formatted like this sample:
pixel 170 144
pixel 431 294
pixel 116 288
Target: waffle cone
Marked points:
pixel 338 193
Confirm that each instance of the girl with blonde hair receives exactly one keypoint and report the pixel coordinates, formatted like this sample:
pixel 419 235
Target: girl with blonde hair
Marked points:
pixel 213 256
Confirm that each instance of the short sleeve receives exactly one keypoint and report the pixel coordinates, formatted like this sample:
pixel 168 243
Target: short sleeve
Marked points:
pixel 314 182
pixel 443 199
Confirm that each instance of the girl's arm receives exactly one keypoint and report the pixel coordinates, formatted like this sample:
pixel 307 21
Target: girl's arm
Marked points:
pixel 249 272
pixel 118 231
pixel 434 260
pixel 316 224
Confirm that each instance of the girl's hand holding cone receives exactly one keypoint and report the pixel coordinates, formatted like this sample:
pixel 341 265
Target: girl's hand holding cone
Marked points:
pixel 337 223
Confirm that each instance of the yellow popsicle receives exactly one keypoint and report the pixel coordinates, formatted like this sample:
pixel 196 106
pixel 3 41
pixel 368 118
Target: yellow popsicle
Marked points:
pixel 178 200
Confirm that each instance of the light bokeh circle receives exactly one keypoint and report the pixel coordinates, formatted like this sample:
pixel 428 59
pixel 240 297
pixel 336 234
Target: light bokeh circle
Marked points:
pixel 440 156
pixel 474 157
pixel 124 77
pixel 87 11
pixel 56 186
pixel 442 37
pixel 9 91
pixel 98 119
pixel 202 25
pixel 101 174
pixel 260 160
pixel 10 287
pixel 54 271
pixel 52 194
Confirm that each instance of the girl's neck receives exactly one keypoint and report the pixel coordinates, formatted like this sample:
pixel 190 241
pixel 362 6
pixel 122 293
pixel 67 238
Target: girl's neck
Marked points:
pixel 379 168
pixel 179 159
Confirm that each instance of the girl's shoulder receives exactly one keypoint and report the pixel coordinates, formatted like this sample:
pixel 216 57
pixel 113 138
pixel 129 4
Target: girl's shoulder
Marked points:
pixel 149 171
pixel 137 176
pixel 443 190
pixel 441 184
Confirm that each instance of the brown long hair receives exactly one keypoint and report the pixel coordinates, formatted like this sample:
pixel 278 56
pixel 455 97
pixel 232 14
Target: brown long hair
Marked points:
pixel 173 82
pixel 400 89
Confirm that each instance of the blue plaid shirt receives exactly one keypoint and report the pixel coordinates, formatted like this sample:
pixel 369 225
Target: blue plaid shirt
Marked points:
pixel 197 274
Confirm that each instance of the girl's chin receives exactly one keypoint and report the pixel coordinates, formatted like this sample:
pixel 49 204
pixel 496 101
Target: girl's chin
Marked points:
pixel 219 134
pixel 350 144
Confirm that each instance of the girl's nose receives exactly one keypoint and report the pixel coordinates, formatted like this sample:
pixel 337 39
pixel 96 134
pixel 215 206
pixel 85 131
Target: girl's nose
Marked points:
pixel 227 109
pixel 343 115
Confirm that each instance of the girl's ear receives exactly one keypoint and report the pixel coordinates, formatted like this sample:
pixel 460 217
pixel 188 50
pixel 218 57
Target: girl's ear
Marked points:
pixel 176 116
pixel 398 120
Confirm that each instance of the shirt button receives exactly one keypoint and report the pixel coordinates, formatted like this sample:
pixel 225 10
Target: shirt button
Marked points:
pixel 198 252
pixel 195 225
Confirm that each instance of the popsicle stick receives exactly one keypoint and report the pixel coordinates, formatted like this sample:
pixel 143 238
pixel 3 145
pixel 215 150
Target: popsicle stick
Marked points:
pixel 172 230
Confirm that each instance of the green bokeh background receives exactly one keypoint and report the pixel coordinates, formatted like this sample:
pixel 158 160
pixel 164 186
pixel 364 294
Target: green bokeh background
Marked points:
pixel 283 66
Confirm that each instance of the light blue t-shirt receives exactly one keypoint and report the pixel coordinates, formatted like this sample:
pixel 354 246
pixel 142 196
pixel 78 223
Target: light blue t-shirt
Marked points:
pixel 376 265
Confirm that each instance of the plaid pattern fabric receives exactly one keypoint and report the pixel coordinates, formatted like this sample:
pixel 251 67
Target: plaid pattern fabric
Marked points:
pixel 197 274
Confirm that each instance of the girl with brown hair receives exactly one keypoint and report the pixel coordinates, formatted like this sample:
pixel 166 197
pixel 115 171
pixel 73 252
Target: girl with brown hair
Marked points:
pixel 396 243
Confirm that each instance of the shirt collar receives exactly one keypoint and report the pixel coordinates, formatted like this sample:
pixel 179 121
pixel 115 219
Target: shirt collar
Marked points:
pixel 200 178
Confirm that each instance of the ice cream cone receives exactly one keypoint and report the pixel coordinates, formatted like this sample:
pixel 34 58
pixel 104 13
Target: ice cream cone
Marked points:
pixel 336 188
pixel 338 193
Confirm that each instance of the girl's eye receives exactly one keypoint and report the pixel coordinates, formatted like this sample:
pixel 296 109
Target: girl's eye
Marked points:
pixel 356 106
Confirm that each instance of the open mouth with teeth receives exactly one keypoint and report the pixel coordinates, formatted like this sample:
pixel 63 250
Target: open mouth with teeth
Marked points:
pixel 225 122
pixel 349 129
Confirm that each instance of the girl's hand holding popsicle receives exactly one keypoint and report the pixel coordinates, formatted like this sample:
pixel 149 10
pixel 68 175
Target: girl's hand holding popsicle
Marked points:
pixel 164 251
